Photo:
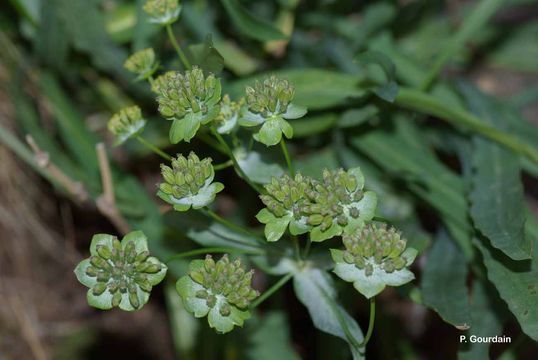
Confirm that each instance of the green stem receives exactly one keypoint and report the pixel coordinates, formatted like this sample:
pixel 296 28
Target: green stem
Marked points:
pixel 427 104
pixel 176 46
pixel 271 290
pixel 229 224
pixel 230 153
pixel 287 156
pixel 151 81
pixel 307 248
pixel 153 148
pixel 370 324
pixel 296 246
pixel 214 250
pixel 223 165
pixel 209 141
pixel 476 19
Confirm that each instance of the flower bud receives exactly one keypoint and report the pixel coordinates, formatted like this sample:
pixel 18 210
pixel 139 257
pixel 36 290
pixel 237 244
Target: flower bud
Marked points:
pixel 162 12
pixel 142 63
pixel 126 123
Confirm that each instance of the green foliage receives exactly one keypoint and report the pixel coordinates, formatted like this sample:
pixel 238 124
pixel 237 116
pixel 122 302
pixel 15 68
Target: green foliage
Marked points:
pixel 351 93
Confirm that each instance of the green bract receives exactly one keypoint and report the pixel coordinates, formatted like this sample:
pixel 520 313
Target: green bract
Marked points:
pixel 189 182
pixel 269 104
pixel 189 100
pixel 162 12
pixel 226 121
pixel 142 63
pixel 126 123
pixel 375 257
pixel 221 290
pixel 120 274
pixel 325 209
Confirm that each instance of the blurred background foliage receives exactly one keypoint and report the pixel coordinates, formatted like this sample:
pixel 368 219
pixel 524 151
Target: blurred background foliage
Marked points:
pixel 61 77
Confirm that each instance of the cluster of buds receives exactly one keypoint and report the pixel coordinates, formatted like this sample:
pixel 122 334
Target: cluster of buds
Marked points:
pixel 126 123
pixel 120 274
pixel 325 208
pixel 286 195
pixel 334 199
pixel 190 99
pixel 226 279
pixel 160 82
pixel 142 63
pixel 226 121
pixel 270 97
pixel 189 182
pixel 269 103
pixel 162 12
pixel 377 246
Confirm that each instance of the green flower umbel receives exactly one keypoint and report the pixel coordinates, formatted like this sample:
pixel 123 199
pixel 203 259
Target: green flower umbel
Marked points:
pixel 221 290
pixel 120 274
pixel 285 203
pixel 375 256
pixel 189 182
pixel 189 100
pixel 126 123
pixel 340 204
pixel 142 63
pixel 269 104
pixel 229 114
pixel 162 12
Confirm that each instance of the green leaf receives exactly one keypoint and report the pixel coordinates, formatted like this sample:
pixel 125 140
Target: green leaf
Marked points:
pixel 516 281
pixel 371 285
pixel 313 124
pixel 315 289
pixel 389 89
pixel 258 165
pixel 269 338
pixel 443 283
pixel 486 320
pixel 248 24
pixel 206 56
pixel 356 117
pixel 314 88
pixel 497 201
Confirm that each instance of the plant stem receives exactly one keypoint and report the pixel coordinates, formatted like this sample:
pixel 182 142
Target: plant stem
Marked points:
pixel 223 165
pixel 427 104
pixel 211 142
pixel 176 46
pixel 271 290
pixel 153 148
pixel 287 156
pixel 215 250
pixel 307 248
pixel 227 223
pixel 230 153
pixel 296 246
pixel 370 324
pixel 470 26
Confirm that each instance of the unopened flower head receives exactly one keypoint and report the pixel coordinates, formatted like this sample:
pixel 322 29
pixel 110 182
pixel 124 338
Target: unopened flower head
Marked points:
pixel 270 97
pixel 375 246
pixel 142 63
pixel 269 105
pixel 226 121
pixel 126 123
pixel 219 289
pixel 227 279
pixel 160 82
pixel 189 182
pixel 120 274
pixel 162 12
pixel 192 98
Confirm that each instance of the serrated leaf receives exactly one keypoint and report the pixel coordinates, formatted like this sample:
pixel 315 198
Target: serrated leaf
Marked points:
pixel 248 24
pixel 497 202
pixel 443 283
pixel 486 321
pixel 315 289
pixel 516 281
